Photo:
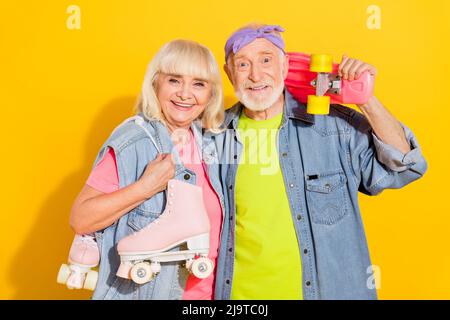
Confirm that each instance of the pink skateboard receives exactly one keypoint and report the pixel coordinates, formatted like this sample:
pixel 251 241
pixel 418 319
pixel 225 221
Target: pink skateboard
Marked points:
pixel 314 79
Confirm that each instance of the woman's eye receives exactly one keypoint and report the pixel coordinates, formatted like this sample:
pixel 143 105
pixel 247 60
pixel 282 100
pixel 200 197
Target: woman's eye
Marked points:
pixel 199 84
pixel 266 60
pixel 172 80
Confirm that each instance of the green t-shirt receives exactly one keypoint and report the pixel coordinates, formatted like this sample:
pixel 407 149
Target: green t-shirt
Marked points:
pixel 267 262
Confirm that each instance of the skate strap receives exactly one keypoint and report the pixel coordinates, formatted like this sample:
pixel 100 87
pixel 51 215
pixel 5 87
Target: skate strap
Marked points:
pixel 140 122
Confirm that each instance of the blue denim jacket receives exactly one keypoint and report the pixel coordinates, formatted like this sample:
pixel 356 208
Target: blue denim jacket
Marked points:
pixel 325 161
pixel 134 149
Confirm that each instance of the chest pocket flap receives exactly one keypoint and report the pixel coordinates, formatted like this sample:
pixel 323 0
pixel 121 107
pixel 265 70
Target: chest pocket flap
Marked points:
pixel 327 197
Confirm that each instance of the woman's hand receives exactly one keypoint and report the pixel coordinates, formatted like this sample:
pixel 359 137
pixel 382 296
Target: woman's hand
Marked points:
pixel 157 175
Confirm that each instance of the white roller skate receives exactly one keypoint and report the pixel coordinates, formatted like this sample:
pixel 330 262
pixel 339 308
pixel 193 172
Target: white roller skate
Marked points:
pixel 184 220
pixel 83 256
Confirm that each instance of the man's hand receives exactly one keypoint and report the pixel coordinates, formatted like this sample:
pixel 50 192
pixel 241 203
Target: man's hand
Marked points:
pixel 384 124
pixel 351 69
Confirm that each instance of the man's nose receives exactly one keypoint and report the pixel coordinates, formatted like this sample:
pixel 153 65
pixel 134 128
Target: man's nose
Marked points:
pixel 255 74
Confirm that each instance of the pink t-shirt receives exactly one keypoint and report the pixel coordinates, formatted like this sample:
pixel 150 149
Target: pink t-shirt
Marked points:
pixel 104 178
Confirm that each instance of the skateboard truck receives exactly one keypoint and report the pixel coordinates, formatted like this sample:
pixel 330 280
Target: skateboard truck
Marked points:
pixel 328 82
pixel 314 80
pixel 323 65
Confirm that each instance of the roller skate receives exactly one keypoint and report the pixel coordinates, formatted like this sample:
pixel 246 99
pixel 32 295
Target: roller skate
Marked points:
pixel 184 220
pixel 83 256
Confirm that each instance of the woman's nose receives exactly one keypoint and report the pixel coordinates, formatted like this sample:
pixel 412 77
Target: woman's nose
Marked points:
pixel 184 93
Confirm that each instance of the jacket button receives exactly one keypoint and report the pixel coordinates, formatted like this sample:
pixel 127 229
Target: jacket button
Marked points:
pixel 291 185
pixel 308 283
pixel 305 251
pixel 284 154
pixel 231 187
pixel 227 281
pixel 230 249
pixel 299 217
pixel 187 176
pixel 235 156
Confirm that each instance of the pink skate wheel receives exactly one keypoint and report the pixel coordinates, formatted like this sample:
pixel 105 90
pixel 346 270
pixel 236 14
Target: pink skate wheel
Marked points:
pixel 91 280
pixel 63 274
pixel 141 273
pixel 202 267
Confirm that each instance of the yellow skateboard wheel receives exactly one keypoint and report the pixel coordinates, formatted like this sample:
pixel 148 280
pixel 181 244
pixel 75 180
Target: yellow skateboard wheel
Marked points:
pixel 321 63
pixel 318 105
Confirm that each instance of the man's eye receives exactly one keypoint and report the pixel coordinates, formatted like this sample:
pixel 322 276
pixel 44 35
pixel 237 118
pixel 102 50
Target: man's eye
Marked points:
pixel 267 59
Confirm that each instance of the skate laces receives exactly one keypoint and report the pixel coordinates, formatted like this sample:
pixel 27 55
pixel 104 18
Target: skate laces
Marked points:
pixel 167 211
pixel 88 240
pixel 168 208
pixel 157 220
pixel 163 216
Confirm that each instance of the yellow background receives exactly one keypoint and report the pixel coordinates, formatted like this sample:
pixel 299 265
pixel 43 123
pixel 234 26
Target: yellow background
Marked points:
pixel 63 91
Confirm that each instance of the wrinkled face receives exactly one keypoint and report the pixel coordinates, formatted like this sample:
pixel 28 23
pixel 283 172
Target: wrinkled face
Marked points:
pixel 257 73
pixel 182 98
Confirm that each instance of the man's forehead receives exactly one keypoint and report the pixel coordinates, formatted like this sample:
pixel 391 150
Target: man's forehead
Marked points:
pixel 257 47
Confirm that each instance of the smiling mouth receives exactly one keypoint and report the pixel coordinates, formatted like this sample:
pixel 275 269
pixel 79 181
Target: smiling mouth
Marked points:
pixel 258 88
pixel 182 105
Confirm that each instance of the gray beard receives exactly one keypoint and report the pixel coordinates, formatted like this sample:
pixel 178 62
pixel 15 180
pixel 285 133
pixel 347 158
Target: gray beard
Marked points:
pixel 260 105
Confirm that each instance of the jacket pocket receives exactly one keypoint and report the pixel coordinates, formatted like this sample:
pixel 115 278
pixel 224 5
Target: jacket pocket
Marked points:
pixel 326 197
pixel 146 212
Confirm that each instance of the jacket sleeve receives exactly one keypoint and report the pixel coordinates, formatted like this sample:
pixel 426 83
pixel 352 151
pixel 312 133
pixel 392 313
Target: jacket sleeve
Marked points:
pixel 377 165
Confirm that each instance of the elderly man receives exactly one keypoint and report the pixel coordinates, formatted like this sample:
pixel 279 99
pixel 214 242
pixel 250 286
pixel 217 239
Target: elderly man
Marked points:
pixel 294 229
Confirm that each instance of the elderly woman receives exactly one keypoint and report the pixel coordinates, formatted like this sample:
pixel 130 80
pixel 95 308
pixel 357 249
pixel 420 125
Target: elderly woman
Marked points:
pixel 182 108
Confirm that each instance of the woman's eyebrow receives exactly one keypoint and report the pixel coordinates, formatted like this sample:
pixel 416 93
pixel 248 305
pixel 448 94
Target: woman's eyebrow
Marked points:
pixel 173 75
pixel 200 79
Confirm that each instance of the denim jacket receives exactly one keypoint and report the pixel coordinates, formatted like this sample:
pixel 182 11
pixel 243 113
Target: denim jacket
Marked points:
pixel 325 160
pixel 134 149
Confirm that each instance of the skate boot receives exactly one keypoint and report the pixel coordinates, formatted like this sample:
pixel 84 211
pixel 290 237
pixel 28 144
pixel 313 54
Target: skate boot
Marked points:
pixel 83 256
pixel 184 220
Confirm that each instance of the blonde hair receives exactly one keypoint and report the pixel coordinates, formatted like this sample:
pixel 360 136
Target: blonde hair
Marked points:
pixel 184 57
